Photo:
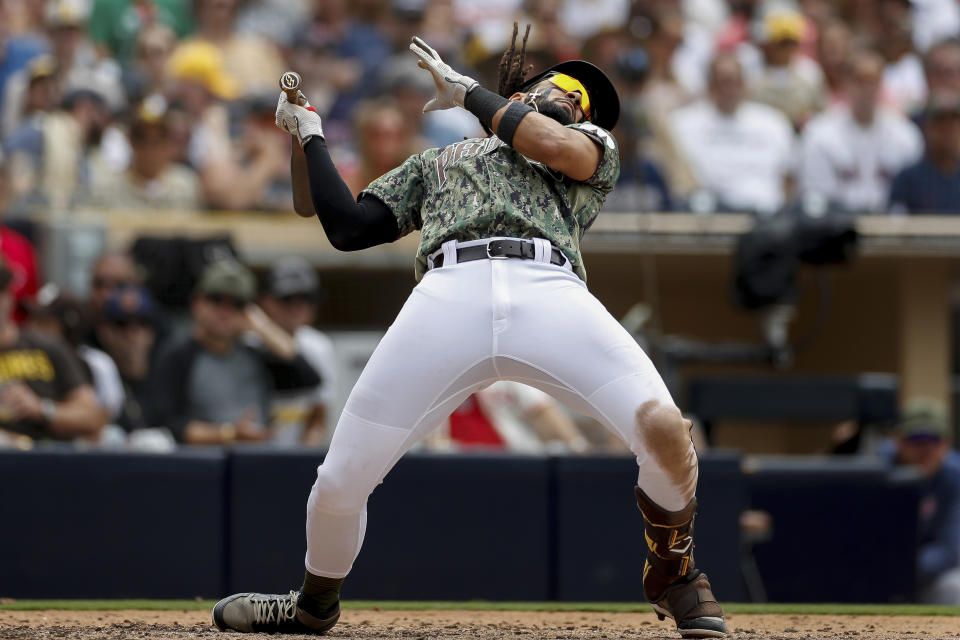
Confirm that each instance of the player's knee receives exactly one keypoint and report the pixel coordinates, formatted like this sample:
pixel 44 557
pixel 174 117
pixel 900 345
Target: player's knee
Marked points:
pixel 661 426
pixel 334 492
pixel 664 434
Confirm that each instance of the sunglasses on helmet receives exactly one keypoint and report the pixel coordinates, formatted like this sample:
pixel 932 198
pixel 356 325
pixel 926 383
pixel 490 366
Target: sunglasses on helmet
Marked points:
pixel 569 83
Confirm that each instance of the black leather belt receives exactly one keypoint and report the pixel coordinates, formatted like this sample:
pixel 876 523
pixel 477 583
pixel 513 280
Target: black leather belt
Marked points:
pixel 502 249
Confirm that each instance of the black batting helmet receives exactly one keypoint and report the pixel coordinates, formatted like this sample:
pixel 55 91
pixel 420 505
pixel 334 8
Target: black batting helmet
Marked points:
pixel 604 101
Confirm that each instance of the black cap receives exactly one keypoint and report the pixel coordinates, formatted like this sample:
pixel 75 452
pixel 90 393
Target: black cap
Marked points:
pixel 291 276
pixel 604 101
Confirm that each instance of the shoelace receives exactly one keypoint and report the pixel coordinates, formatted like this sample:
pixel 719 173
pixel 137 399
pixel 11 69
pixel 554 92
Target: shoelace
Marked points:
pixel 276 609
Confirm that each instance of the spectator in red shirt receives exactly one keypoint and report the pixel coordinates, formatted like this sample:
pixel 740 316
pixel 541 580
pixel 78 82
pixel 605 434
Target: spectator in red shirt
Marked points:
pixel 509 416
pixel 18 254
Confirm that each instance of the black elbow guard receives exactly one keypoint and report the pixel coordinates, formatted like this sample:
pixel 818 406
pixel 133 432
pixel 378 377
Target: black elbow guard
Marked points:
pixel 510 120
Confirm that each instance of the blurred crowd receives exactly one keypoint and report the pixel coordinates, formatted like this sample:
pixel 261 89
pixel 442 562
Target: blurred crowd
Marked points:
pixel 728 105
pixel 138 105
pixel 243 362
pixel 179 343
pixel 118 369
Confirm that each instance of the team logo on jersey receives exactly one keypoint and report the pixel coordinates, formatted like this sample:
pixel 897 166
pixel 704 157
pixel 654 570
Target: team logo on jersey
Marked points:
pixel 26 364
pixel 468 148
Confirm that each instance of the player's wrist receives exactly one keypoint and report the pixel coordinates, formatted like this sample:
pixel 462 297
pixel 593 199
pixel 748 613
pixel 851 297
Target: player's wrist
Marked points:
pixel 468 84
pixel 309 127
pixel 301 122
pixel 48 409
pixel 484 104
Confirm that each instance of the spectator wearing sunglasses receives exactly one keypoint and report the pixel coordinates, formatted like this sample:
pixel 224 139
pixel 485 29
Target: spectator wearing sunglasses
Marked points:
pixel 127 331
pixel 112 269
pixel 213 387
pixel 290 297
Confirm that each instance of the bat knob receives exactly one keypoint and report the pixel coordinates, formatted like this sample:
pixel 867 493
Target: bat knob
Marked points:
pixel 290 81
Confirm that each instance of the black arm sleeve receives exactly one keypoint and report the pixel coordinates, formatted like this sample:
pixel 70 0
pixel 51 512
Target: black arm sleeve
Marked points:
pixel 349 225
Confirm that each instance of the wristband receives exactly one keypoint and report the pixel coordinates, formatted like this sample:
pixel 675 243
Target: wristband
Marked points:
pixel 510 120
pixel 49 409
pixel 484 103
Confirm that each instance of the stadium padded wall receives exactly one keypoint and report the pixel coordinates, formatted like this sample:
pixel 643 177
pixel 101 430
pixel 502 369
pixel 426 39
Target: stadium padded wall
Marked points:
pixel 599 529
pixel 207 522
pixel 112 525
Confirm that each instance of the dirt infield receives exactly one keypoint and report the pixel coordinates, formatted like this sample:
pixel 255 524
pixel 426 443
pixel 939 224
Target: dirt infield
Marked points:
pixel 372 624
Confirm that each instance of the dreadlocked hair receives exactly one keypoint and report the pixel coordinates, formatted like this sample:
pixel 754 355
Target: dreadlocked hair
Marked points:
pixel 512 69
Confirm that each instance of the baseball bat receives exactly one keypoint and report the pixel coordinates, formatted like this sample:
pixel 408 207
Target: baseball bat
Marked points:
pixel 290 83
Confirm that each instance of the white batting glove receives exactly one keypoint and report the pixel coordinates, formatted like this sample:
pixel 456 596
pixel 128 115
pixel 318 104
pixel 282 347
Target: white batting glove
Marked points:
pixel 452 87
pixel 302 122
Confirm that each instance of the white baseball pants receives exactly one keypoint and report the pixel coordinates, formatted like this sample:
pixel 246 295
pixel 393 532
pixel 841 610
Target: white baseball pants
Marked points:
pixel 463 327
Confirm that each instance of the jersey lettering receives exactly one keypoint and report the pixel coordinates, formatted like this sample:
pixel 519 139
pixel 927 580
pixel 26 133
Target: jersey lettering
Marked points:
pixel 455 152
pixel 32 364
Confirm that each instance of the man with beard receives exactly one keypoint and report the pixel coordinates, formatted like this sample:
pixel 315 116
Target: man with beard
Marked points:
pixel 212 386
pixel 502 295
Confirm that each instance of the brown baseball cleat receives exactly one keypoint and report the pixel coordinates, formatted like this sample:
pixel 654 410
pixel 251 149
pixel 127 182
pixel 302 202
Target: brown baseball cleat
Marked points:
pixel 673 585
pixel 690 603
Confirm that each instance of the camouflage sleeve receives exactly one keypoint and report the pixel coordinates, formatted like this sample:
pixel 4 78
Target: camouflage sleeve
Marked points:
pixel 402 189
pixel 605 177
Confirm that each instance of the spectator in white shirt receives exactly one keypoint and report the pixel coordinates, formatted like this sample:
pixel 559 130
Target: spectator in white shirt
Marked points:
pixel 903 81
pixel 933 21
pixel 741 152
pixel 851 153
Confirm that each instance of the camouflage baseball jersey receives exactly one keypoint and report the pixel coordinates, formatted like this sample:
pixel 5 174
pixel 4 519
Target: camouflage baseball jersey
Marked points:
pixel 482 188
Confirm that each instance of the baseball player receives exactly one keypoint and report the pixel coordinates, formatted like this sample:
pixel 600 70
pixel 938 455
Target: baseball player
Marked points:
pixel 501 295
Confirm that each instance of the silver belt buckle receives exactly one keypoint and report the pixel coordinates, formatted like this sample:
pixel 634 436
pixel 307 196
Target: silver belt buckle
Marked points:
pixel 490 257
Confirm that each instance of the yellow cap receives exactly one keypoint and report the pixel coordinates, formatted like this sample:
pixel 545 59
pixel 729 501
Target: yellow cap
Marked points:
pixel 67 13
pixel 42 66
pixel 783 26
pixel 203 63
